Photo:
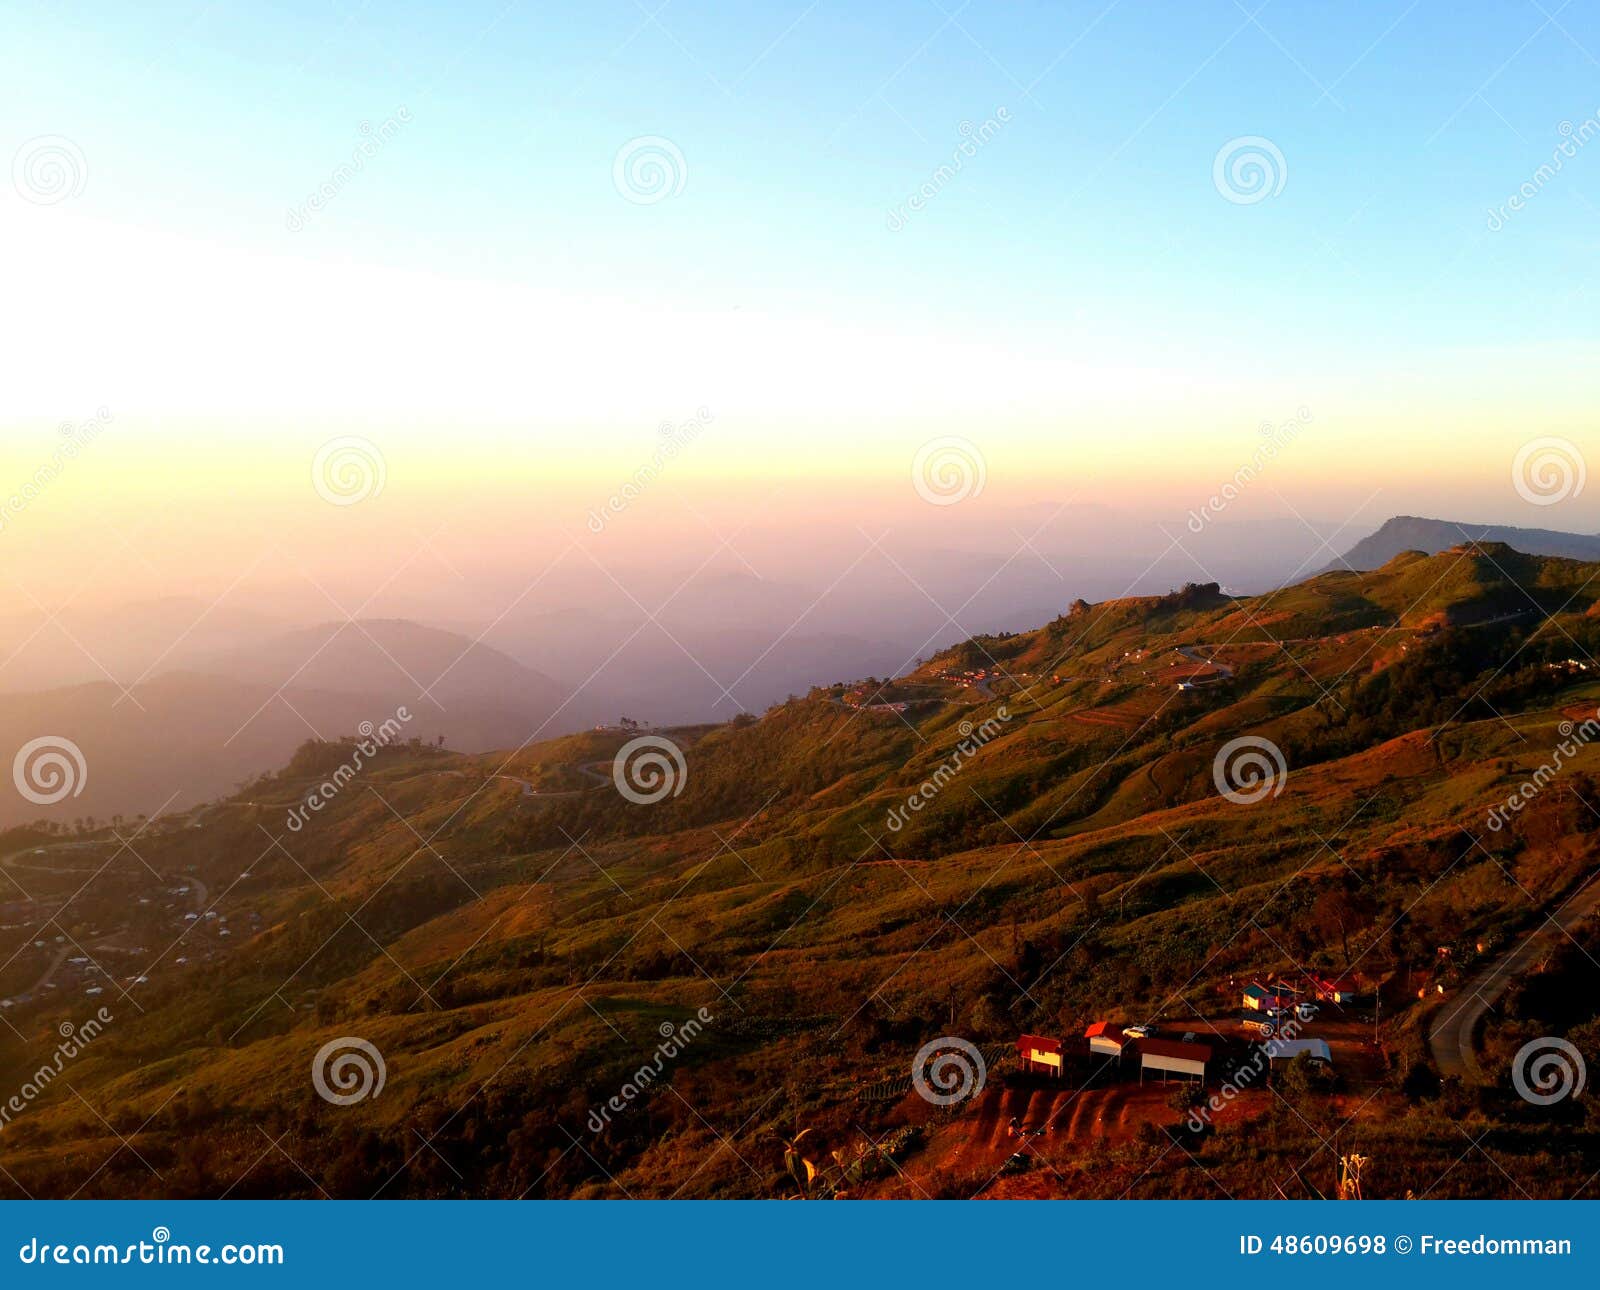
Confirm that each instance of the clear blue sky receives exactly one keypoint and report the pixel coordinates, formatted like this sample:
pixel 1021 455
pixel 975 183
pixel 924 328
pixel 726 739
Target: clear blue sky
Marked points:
pixel 803 124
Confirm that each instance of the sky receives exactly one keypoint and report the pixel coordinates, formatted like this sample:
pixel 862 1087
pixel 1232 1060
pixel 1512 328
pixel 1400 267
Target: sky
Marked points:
pixel 502 245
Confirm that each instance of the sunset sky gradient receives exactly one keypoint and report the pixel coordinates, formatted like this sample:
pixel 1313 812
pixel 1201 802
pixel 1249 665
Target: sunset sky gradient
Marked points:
pixel 1079 300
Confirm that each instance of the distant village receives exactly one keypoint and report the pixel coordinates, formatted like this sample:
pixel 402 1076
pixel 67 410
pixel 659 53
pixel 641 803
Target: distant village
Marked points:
pixel 114 937
pixel 1275 1014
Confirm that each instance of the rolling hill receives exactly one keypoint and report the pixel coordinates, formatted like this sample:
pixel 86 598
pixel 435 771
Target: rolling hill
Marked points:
pixel 573 991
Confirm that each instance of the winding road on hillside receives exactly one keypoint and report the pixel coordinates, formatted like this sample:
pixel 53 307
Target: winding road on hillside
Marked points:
pixel 595 770
pixel 1454 1027
pixel 14 860
pixel 1192 653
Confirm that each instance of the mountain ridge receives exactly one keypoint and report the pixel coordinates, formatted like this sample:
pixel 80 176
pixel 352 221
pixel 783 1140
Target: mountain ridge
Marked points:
pixel 1402 533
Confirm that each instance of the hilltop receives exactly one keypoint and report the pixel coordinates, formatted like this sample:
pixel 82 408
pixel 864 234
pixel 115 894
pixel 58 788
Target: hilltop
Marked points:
pixel 518 939
pixel 1413 533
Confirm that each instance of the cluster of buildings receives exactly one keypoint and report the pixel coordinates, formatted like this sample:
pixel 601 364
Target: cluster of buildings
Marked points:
pixel 971 677
pixel 1106 1047
pixel 92 963
pixel 1282 993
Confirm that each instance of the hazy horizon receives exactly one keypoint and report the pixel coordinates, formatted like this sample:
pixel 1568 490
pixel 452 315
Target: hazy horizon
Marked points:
pixel 721 365
pixel 823 240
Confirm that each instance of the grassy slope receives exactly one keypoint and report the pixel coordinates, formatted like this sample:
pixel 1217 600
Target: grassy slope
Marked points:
pixel 515 958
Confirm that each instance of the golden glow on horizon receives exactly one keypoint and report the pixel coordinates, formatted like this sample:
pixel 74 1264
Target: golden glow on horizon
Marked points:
pixel 508 413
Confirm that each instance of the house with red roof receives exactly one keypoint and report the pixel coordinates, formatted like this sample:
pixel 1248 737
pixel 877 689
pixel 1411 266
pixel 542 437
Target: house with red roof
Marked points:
pixel 1106 1039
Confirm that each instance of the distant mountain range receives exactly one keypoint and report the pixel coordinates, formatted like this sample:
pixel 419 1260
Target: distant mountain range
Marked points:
pixel 184 736
pixel 1414 533
pixel 222 693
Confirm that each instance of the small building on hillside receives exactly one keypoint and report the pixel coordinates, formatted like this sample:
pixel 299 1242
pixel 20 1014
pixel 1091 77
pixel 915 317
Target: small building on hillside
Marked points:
pixel 1043 1055
pixel 1173 1057
pixel 1334 989
pixel 1262 999
pixel 1286 1050
pixel 1040 1056
pixel 1258 1022
pixel 1106 1039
